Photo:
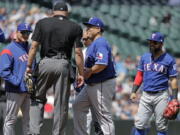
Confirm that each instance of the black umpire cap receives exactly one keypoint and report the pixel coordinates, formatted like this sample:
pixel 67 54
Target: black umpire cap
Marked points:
pixel 60 6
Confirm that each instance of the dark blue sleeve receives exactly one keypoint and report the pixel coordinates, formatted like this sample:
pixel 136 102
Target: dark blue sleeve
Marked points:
pixel 6 62
pixel 172 70
pixel 101 55
pixel 140 65
pixel 2 38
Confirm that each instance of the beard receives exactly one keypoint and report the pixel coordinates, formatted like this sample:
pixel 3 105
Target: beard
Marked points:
pixel 154 50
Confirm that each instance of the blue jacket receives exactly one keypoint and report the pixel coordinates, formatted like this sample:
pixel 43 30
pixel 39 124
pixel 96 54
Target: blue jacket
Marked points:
pixel 13 61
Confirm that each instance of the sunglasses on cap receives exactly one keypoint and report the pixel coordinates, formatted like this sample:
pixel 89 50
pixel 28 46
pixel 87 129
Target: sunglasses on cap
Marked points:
pixel 25 32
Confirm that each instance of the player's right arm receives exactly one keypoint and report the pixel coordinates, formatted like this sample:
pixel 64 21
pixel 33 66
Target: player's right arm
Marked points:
pixel 137 83
pixel 138 79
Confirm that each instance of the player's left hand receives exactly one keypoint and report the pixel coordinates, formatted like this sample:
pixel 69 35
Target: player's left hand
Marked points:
pixel 87 73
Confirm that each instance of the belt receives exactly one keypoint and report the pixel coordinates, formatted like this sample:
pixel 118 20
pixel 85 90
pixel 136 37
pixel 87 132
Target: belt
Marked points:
pixel 154 92
pixel 59 56
pixel 91 84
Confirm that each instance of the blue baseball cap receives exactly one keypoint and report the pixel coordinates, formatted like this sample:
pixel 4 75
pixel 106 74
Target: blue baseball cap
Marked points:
pixel 24 27
pixel 157 36
pixel 95 21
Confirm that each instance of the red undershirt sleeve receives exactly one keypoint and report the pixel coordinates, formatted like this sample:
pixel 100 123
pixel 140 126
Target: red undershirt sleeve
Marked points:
pixel 139 78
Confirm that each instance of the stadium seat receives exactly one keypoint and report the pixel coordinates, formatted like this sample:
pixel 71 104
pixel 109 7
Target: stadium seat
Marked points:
pixel 114 10
pixel 104 8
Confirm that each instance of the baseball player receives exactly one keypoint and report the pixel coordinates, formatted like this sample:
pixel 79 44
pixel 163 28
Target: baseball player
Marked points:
pixel 99 74
pixel 13 61
pixel 87 40
pixel 155 69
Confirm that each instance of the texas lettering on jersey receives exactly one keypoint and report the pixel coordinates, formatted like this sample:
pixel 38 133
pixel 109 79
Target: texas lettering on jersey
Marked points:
pixel 155 67
pixel 24 57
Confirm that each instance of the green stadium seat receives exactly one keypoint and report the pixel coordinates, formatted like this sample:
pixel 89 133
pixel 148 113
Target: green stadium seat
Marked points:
pixel 124 12
pixel 104 8
pixel 154 28
pixel 164 28
pixel 143 22
pixel 133 19
pixel 114 10
pixel 90 11
pixel 174 34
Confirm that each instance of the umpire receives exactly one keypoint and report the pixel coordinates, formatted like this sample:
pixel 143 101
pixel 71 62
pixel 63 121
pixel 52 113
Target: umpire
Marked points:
pixel 57 35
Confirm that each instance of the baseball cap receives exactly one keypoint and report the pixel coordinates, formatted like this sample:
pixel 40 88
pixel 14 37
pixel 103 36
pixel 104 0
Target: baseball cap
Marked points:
pixel 157 36
pixel 24 27
pixel 95 21
pixel 60 6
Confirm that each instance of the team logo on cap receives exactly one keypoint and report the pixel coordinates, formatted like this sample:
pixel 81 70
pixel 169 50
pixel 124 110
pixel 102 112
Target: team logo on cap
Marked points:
pixel 90 18
pixel 153 35
pixel 26 25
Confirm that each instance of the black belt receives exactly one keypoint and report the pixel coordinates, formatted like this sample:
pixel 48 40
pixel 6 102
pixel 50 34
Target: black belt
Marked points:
pixel 59 56
pixel 154 92
pixel 101 81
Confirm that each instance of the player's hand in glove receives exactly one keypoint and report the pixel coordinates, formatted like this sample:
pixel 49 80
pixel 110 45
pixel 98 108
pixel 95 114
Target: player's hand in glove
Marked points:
pixel 172 110
pixel 29 82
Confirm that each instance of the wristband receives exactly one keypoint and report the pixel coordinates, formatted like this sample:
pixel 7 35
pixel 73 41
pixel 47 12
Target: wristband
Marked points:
pixel 174 93
pixel 135 88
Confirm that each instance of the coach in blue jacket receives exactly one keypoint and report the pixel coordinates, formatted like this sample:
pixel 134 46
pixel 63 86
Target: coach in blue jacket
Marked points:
pixel 13 61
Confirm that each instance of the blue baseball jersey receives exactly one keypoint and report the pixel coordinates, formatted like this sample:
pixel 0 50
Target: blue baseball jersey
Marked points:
pixel 99 52
pixel 156 72
pixel 13 61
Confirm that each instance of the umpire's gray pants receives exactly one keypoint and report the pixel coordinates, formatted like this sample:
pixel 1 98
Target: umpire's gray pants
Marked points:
pixel 97 97
pixel 2 115
pixel 53 73
pixel 149 104
pixel 16 101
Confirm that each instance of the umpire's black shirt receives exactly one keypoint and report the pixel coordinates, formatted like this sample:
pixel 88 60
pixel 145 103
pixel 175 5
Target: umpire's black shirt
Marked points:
pixel 57 34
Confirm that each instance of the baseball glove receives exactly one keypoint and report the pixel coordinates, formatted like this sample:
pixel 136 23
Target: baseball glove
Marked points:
pixel 171 110
pixel 29 82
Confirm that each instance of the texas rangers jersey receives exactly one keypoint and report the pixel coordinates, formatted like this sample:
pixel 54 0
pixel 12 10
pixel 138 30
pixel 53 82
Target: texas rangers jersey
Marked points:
pixel 99 52
pixel 13 61
pixel 156 72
